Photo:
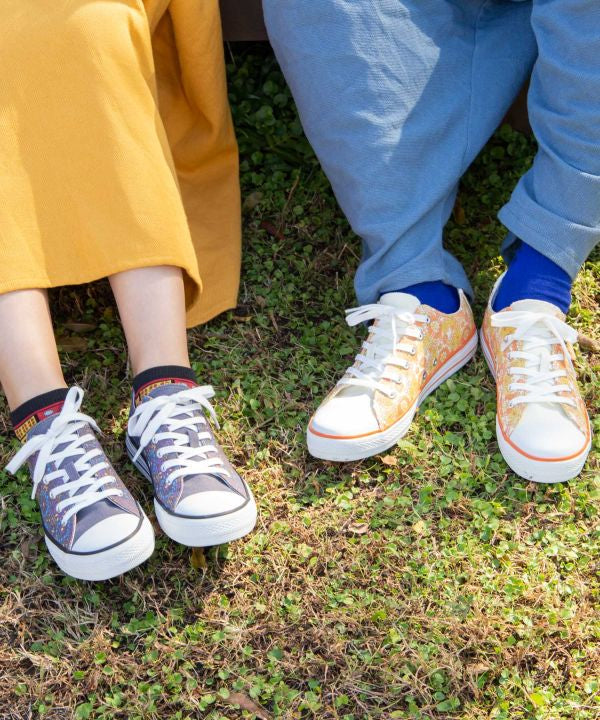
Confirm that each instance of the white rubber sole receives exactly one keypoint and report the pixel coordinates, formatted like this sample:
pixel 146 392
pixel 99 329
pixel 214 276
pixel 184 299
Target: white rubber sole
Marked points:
pixel 352 449
pixel 201 531
pixel 541 471
pixel 108 563
pixel 538 471
pixel 209 531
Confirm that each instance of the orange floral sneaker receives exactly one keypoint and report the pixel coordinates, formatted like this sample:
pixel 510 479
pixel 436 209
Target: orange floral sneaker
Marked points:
pixel 542 423
pixel 410 350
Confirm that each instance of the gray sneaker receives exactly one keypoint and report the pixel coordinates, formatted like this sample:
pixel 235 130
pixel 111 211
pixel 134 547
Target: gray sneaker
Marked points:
pixel 199 498
pixel 93 527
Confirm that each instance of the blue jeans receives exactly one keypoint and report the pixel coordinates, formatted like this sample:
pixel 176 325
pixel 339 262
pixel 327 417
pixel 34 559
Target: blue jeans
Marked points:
pixel 397 98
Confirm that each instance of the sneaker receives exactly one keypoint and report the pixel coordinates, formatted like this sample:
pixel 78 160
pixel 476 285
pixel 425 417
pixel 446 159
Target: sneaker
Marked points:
pixel 410 350
pixel 199 498
pixel 93 527
pixel 542 424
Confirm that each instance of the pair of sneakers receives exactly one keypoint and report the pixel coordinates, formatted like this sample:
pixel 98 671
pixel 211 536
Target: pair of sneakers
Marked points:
pixel 542 425
pixel 93 527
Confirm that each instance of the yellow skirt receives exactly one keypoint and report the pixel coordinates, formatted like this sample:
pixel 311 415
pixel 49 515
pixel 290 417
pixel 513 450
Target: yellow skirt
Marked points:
pixel 117 148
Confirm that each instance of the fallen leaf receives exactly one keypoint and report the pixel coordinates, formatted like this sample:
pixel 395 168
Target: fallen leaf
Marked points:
pixel 389 460
pixel 198 559
pixel 252 200
pixel 588 343
pixel 28 547
pixel 420 527
pixel 76 344
pixel 271 229
pixel 358 528
pixel 478 668
pixel 80 327
pixel 245 703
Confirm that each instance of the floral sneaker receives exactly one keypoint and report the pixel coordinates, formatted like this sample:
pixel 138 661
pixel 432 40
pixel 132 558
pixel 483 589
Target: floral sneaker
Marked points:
pixel 93 527
pixel 542 423
pixel 410 350
pixel 199 498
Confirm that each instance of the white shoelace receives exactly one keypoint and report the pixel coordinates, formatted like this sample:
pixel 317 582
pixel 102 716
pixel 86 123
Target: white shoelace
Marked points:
pixel 64 430
pixel 168 410
pixel 539 332
pixel 379 349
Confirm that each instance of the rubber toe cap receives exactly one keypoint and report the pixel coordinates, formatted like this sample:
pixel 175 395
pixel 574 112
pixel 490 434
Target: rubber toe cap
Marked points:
pixel 345 415
pixel 546 432
pixel 107 532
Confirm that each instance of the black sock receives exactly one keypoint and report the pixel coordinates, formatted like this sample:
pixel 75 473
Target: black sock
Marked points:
pixel 148 380
pixel 30 413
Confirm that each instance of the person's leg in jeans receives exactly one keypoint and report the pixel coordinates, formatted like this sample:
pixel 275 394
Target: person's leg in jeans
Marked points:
pixel 554 218
pixel 397 98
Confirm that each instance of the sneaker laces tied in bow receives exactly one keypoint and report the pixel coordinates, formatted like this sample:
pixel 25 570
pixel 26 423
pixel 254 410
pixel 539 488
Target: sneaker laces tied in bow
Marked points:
pixel 64 432
pixel 539 333
pixel 380 349
pixel 181 411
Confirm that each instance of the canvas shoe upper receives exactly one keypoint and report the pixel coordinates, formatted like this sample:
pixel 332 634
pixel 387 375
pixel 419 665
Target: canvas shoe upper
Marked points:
pixel 542 423
pixel 411 349
pixel 200 499
pixel 93 527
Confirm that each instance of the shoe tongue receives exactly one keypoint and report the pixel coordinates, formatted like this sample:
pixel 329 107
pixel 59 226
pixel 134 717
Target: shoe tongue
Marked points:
pixel 42 426
pixel 537 306
pixel 168 389
pixel 400 301
pixel 171 389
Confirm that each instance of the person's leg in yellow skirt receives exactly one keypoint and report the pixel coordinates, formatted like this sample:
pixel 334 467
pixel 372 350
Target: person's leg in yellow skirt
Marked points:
pixel 89 188
pixel 93 526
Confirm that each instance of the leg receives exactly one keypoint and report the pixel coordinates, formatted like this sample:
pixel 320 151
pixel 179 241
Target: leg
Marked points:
pixel 555 208
pixel 151 303
pixel 199 498
pixel 397 97
pixel 84 506
pixel 542 423
pixel 29 364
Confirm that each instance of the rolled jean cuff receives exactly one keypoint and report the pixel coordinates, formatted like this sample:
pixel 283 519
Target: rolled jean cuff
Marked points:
pixel 446 268
pixel 566 243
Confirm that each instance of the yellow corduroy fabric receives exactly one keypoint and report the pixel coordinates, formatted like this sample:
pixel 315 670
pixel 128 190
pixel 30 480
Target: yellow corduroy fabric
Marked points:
pixel 117 149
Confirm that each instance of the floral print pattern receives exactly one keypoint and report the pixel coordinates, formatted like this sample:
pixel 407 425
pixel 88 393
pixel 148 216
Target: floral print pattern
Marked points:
pixel 443 336
pixel 509 417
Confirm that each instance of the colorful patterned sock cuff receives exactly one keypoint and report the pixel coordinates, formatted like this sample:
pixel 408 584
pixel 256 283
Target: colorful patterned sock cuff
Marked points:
pixel 30 413
pixel 150 379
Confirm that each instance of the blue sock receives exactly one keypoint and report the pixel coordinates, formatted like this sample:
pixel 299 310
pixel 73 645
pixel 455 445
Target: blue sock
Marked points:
pixel 533 276
pixel 436 294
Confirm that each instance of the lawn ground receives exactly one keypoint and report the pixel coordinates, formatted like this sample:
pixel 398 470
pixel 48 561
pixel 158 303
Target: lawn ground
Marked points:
pixel 429 583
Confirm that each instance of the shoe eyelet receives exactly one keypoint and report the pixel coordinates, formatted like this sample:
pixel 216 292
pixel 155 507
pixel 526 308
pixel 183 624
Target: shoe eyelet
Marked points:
pixel 427 319
pixel 413 350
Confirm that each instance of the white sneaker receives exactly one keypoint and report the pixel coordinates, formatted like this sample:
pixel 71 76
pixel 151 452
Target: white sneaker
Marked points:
pixel 200 500
pixel 410 350
pixel 542 424
pixel 93 527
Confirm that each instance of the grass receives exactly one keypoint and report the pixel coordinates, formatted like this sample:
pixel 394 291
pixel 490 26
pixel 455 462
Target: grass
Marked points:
pixel 428 583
